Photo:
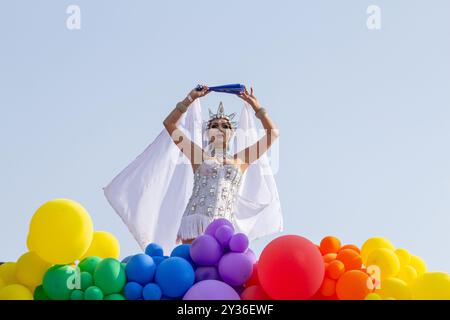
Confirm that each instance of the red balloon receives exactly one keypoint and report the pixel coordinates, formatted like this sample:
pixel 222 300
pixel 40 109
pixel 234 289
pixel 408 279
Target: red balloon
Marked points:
pixel 291 268
pixel 254 293
pixel 254 277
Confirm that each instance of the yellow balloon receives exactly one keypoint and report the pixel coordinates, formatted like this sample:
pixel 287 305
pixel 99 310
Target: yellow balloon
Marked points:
pixel 432 286
pixel 30 269
pixel 418 264
pixel 386 260
pixel 8 273
pixel 394 288
pixel 15 292
pixel 404 256
pixel 407 274
pixel 104 245
pixel 372 244
pixel 372 296
pixel 60 231
pixel 2 283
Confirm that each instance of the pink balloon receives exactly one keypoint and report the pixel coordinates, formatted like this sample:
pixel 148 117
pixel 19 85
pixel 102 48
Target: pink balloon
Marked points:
pixel 211 290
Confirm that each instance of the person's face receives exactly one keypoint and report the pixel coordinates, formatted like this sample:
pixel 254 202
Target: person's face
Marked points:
pixel 220 131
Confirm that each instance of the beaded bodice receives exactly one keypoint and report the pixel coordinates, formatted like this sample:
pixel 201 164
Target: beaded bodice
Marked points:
pixel 215 188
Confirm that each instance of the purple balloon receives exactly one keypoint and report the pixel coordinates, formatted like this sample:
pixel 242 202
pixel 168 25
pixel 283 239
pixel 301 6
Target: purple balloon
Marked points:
pixel 205 250
pixel 213 226
pixel 252 256
pixel 211 290
pixel 206 273
pixel 239 242
pixel 235 268
pixel 223 235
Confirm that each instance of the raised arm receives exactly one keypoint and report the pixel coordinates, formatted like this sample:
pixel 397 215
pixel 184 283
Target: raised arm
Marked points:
pixel 190 149
pixel 256 150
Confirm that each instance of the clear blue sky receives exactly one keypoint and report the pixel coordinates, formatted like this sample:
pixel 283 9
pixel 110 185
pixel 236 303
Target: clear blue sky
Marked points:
pixel 364 115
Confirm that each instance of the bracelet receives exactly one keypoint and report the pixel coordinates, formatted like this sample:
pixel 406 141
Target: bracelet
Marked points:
pixel 260 113
pixel 189 97
pixel 181 107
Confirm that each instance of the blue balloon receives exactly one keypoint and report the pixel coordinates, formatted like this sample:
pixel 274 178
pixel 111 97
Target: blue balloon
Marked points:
pixel 175 276
pixel 141 269
pixel 159 259
pixel 153 250
pixel 132 291
pixel 152 292
pixel 126 259
pixel 183 251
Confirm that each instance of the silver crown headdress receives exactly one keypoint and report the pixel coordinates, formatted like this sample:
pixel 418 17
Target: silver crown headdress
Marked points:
pixel 221 115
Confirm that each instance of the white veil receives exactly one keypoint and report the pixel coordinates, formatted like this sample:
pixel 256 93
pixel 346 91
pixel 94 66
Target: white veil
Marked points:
pixel 151 194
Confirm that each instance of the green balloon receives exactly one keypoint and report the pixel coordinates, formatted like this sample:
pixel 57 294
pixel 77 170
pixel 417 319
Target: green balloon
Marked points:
pixel 115 296
pixel 89 264
pixel 59 281
pixel 86 280
pixel 77 295
pixel 109 276
pixel 93 293
pixel 39 293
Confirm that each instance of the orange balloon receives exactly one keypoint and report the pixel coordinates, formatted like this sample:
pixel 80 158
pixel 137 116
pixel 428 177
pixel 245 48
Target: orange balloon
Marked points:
pixel 330 245
pixel 335 269
pixel 328 287
pixel 329 257
pixel 350 258
pixel 353 285
pixel 350 246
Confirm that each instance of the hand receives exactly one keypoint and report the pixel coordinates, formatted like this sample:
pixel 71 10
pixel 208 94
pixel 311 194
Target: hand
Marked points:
pixel 197 94
pixel 249 97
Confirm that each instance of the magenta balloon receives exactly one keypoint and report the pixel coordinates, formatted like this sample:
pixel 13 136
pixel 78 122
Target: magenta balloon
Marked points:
pixel 235 268
pixel 239 242
pixel 211 290
pixel 205 250
pixel 213 226
pixel 223 235
pixel 206 273
pixel 252 256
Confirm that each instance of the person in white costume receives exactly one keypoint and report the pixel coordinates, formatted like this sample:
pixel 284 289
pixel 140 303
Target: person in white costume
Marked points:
pixel 190 176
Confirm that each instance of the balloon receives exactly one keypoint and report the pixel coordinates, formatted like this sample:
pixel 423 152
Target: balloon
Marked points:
pixel 206 273
pixel 407 274
pixel 86 280
pixel 253 280
pixel 235 268
pixel 335 269
pixel 254 292
pixel 141 269
pixel 329 257
pixel 133 291
pixel 93 293
pixel 158 259
pixel 330 245
pixel 89 264
pixel 152 292
pixel 126 259
pixel 239 242
pixel 418 264
pixel 350 258
pixel 174 276
pixel 205 250
pixel 432 286
pixel 403 256
pixel 350 246
pixel 114 296
pixel 211 290
pixel 386 260
pixel 290 268
pixel 39 293
pixel 8 273
pixel 153 250
pixel 394 288
pixel 252 256
pixel 183 251
pixel 60 232
pixel 353 285
pixel 372 244
pixel 223 235
pixel 103 245
pixel 30 269
pixel 59 281
pixel 213 226
pixel 328 287
pixel 15 292
pixel 2 283
pixel 109 276
pixel 77 295
pixel 372 296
